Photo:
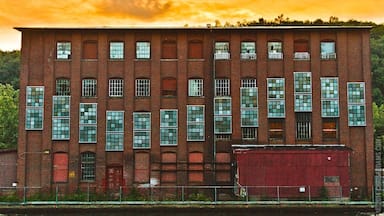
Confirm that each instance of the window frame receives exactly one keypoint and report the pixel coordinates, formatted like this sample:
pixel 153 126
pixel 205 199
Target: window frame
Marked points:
pixel 276 130
pixel 328 130
pixel 109 132
pixel 89 87
pixel 34 106
pixel 248 52
pixel 273 52
pixel 222 87
pixel 195 87
pixel 327 54
pixel 198 122
pixel 164 126
pixel 146 130
pixel 142 87
pixel 143 50
pixel 278 101
pixel 303 126
pixel 61 117
pixel 355 102
pixel 87 167
pixel 63 87
pixel 116 87
pixel 87 123
pixel 222 50
pixel 63 48
pixel 116 50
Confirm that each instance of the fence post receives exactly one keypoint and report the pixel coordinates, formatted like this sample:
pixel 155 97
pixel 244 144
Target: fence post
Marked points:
pixel 309 193
pixel 88 196
pixel 151 192
pixel 246 193
pixel 215 187
pixel 24 194
pixel 57 193
pixel 278 193
pixel 182 193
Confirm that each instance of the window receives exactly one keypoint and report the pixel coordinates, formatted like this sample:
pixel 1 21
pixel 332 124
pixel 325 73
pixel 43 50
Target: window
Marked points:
pixel 168 127
pixel 276 130
pixel 88 88
pixel 34 108
pixel 195 50
pixel 169 87
pixel 329 97
pixel 116 50
pixel 195 167
pixel 249 133
pixel 222 87
pixel 303 126
pixel 303 91
pixel 301 50
pixel 169 50
pixel 90 50
pixel 88 167
pixel 60 167
pixel 143 50
pixel 356 103
pixel 275 50
pixel 143 87
pixel 63 50
pixel 328 50
pixel 195 87
pixel 63 87
pixel 248 50
pixel 223 115
pixel 249 103
pixel 276 97
pixel 116 87
pixel 141 130
pixel 115 131
pixel 330 128
pixel 222 50
pixel 88 123
pixel 61 117
pixel 195 123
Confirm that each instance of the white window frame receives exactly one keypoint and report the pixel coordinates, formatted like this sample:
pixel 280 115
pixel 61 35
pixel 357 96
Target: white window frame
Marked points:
pixel 60 117
pixel 197 122
pixel 143 50
pixel 89 124
pixel 140 130
pixel 116 87
pixel 326 54
pixel 34 106
pixel 222 50
pixel 142 87
pixel 63 50
pixel 275 50
pixel 248 50
pixel 165 127
pixel 195 87
pixel 222 87
pixel 107 132
pixel 89 87
pixel 116 50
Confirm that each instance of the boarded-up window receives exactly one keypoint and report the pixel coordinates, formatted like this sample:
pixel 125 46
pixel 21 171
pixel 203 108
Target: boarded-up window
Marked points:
pixel 169 87
pixel 168 167
pixel 301 46
pixel 169 50
pixel 60 167
pixel 142 167
pixel 329 128
pixel 223 167
pixel 276 130
pixel 90 50
pixel 195 167
pixel 195 50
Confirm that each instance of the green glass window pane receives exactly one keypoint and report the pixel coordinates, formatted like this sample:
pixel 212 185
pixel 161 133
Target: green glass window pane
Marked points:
pixel 276 88
pixel 115 142
pixel 60 128
pixel 87 133
pixel 303 82
pixel 303 103
pixel 35 96
pixel 223 106
pixel 356 93
pixel 223 124
pixel 141 121
pixel 249 118
pixel 61 106
pixel 195 114
pixel 88 113
pixel 330 108
pixel 115 121
pixel 356 115
pixel 276 108
pixel 168 118
pixel 141 139
pixel 195 132
pixel 116 50
pixel 195 123
pixel 34 119
pixel 248 97
pixel 168 136
pixel 143 50
pixel 329 88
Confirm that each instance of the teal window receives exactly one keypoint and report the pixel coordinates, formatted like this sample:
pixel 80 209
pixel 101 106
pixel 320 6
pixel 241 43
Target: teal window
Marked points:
pixel 222 50
pixel 63 86
pixel 63 50
pixel 276 97
pixel 195 87
pixel 61 117
pixel 88 123
pixel 143 50
pixel 115 131
pixel 195 123
pixel 88 167
pixel 223 115
pixel 329 97
pixel 141 130
pixel 116 50
pixel 328 50
pixel 303 91
pixel 248 50
pixel 34 108
pixel 249 103
pixel 356 104
pixel 275 50
pixel 168 127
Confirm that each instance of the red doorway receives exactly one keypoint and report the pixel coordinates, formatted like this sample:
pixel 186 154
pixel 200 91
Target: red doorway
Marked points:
pixel 114 178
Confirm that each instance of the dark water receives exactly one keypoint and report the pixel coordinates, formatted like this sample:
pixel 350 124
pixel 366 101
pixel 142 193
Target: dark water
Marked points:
pixel 204 211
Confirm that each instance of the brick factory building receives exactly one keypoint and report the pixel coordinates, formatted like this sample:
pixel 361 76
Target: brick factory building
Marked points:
pixel 111 107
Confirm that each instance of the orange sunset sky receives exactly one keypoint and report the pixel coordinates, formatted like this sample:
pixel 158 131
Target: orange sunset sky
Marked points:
pixel 97 13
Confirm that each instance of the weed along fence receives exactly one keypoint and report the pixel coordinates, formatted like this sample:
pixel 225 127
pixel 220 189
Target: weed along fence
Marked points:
pixel 175 194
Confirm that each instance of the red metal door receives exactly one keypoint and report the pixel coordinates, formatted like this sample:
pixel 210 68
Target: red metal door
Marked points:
pixel 114 178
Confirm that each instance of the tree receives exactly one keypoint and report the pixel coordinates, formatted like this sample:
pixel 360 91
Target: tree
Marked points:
pixel 9 102
pixel 378 118
pixel 10 67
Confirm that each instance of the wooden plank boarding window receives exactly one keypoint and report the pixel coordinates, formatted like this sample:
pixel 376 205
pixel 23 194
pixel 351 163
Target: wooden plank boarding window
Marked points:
pixel 330 128
pixel 90 50
pixel 195 50
pixel 169 87
pixel 169 50
pixel 276 130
